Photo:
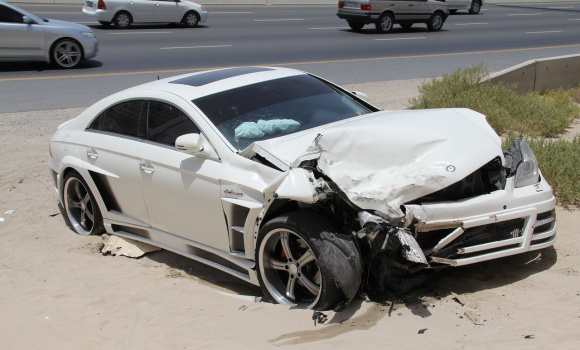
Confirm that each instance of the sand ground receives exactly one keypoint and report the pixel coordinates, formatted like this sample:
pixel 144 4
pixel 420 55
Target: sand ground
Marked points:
pixel 58 292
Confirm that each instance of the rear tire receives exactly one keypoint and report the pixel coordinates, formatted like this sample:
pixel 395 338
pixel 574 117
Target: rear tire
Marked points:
pixel 302 263
pixel 81 207
pixel 122 20
pixel 385 23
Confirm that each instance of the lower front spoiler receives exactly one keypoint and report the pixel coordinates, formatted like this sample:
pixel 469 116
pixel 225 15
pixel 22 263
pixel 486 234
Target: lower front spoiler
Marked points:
pixel 496 236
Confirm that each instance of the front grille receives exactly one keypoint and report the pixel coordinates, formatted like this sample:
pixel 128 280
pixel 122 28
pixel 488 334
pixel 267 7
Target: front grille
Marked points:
pixel 483 234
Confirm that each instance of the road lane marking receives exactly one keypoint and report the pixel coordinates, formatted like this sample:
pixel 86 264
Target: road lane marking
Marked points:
pixel 138 33
pixel 329 28
pixel 419 37
pixel 278 20
pixel 194 47
pixel 561 7
pixel 285 64
pixel 230 13
pixel 524 14
pixel 548 31
pixel 470 24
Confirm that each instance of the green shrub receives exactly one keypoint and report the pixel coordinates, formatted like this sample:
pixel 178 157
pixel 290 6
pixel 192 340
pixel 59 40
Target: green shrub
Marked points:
pixel 534 114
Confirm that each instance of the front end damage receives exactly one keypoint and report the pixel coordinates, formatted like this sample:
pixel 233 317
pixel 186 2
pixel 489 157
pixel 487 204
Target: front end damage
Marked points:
pixel 426 206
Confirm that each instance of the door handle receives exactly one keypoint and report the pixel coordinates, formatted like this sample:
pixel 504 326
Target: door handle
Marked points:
pixel 146 168
pixel 92 154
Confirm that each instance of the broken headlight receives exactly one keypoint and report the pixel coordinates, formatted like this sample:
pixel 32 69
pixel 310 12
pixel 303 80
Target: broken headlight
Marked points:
pixel 527 172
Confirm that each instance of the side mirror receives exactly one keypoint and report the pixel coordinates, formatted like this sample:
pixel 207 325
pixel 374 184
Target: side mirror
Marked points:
pixel 361 95
pixel 27 20
pixel 194 144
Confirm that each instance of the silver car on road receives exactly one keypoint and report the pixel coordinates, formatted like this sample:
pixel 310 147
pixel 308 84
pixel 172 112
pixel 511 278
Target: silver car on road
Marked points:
pixel 27 37
pixel 122 13
pixel 385 13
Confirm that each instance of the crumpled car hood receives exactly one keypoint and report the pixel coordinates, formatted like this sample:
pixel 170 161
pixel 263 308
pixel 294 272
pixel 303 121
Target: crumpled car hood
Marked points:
pixel 385 159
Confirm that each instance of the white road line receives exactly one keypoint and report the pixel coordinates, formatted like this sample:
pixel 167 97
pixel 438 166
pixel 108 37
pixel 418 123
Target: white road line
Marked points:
pixel 561 7
pixel 574 19
pixel 194 47
pixel 56 13
pixel 470 24
pixel 524 14
pixel 419 37
pixel 278 20
pixel 551 31
pixel 230 13
pixel 138 33
pixel 329 28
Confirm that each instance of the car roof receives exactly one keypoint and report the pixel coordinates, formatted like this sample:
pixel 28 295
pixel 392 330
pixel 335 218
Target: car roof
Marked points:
pixel 195 85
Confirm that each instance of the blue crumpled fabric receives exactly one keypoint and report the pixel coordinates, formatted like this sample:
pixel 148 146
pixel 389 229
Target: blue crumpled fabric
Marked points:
pixel 252 130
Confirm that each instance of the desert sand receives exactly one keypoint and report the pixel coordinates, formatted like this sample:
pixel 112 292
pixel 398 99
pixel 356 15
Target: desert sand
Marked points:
pixel 57 291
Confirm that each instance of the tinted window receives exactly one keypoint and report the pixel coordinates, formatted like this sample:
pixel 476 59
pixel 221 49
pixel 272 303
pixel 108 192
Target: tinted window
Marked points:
pixel 10 16
pixel 122 118
pixel 165 123
pixel 277 107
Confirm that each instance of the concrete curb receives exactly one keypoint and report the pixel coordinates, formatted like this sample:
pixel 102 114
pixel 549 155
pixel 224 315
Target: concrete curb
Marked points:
pixel 542 74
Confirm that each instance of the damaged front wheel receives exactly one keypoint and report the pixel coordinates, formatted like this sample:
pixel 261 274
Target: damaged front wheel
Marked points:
pixel 302 263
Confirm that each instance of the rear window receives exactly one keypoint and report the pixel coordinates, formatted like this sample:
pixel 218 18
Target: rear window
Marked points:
pixel 273 108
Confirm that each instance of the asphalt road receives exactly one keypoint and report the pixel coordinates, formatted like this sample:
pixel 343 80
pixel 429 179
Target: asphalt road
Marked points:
pixel 311 38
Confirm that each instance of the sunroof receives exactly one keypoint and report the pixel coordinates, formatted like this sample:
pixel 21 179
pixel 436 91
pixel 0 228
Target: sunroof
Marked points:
pixel 212 77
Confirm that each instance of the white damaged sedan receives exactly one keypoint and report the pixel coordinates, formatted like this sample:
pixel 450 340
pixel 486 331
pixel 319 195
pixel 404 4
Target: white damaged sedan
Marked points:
pixel 289 182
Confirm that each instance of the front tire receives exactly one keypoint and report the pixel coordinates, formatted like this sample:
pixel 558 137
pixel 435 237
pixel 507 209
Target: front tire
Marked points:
pixel 385 23
pixel 436 22
pixel 190 20
pixel 302 263
pixel 122 20
pixel 81 207
pixel 475 7
pixel 66 53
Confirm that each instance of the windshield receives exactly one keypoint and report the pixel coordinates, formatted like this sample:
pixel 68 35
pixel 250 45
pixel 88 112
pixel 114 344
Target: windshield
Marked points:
pixel 277 107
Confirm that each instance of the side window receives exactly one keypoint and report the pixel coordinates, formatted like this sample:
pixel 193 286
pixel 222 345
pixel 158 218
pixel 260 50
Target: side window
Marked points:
pixel 7 15
pixel 165 123
pixel 122 118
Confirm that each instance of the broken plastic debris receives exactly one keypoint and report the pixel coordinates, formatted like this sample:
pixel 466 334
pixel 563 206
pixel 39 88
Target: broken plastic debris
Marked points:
pixel 251 298
pixel 1 219
pixel 242 308
pixel 529 336
pixel 456 298
pixel 9 212
pixel 474 318
pixel 319 317
pixel 422 331
pixel 127 247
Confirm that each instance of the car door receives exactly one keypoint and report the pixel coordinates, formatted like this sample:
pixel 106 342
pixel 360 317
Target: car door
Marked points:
pixel 417 10
pixel 142 11
pixel 182 191
pixel 110 145
pixel 167 11
pixel 19 39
